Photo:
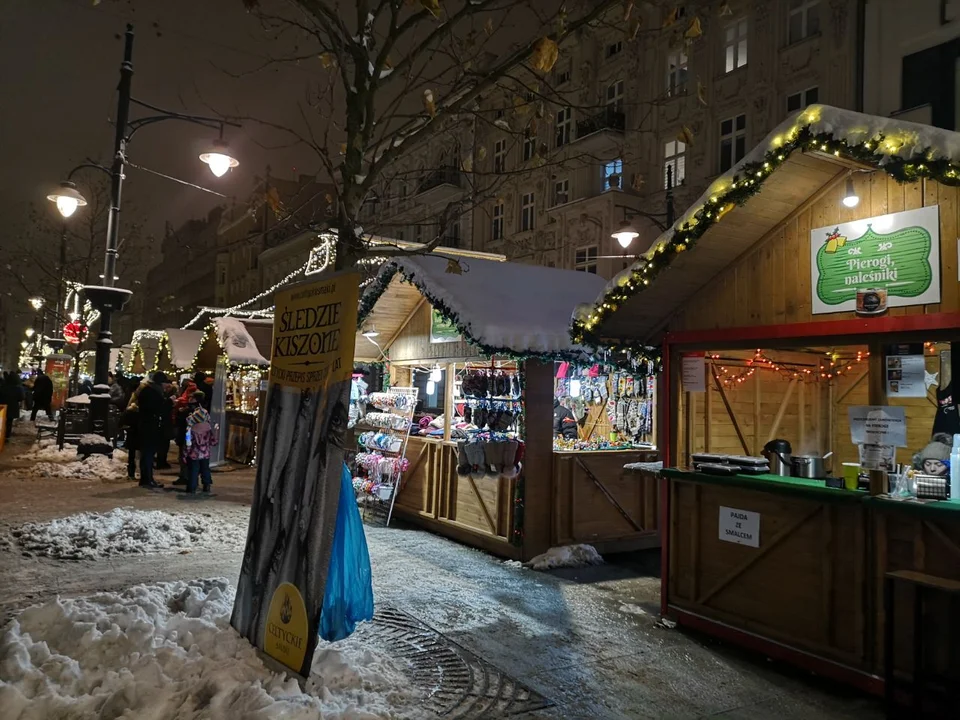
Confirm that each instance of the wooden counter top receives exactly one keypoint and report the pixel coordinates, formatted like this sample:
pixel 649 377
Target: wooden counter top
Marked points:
pixel 771 483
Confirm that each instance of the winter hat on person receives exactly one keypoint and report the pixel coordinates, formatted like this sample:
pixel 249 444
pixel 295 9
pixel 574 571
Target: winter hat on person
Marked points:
pixel 198 396
pixel 937 449
pixel 160 378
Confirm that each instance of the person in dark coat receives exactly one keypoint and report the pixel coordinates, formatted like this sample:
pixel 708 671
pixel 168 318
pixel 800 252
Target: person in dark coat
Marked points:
pixel 11 395
pixel 150 402
pixel 167 426
pixel 130 422
pixel 564 423
pixel 204 384
pixel 42 395
pixel 116 391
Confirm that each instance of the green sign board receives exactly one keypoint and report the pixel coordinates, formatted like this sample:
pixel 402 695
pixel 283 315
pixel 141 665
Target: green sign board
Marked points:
pixel 441 329
pixel 870 265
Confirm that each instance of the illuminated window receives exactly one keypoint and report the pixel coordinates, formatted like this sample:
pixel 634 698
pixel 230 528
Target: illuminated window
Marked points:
pixel 735 45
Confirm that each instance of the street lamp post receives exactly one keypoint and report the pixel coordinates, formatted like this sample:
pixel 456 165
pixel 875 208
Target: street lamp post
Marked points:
pixel 107 298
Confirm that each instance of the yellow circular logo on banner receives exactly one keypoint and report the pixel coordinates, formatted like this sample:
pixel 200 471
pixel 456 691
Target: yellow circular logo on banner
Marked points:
pixel 285 636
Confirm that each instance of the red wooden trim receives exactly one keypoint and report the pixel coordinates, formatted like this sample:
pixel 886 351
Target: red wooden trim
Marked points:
pixel 859 679
pixel 664 483
pixel 824 328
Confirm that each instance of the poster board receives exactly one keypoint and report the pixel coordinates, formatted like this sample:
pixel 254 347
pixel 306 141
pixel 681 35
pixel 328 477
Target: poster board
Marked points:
pixel 441 329
pixel 300 452
pixel 868 266
pixel 58 368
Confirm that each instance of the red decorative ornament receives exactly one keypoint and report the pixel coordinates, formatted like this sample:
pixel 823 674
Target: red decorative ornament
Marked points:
pixel 74 332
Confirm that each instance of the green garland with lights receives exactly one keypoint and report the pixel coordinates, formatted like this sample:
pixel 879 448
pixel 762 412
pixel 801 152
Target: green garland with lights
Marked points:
pixel 379 285
pixel 876 152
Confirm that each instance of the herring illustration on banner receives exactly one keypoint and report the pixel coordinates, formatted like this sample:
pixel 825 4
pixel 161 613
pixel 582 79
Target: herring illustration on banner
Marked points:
pixel 870 265
pixel 299 461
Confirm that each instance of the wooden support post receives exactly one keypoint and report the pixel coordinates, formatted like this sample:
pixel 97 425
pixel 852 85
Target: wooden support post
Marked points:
pixel 707 415
pixel 448 412
pixel 756 413
pixel 876 395
pixel 538 468
pixel 689 426
pixel 802 415
pixel 818 415
pixel 780 413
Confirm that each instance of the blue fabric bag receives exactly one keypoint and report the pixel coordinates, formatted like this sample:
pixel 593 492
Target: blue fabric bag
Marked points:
pixel 348 597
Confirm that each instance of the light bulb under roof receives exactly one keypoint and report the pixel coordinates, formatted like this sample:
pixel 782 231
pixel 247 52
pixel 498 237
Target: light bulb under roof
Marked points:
pixel 850 197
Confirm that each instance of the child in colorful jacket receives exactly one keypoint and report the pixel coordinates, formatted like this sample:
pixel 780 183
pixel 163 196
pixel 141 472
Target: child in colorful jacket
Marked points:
pixel 201 436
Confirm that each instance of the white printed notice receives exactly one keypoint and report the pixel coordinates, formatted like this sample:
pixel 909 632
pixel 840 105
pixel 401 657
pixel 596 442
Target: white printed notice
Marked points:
pixel 878 425
pixel 693 373
pixel 906 371
pixel 740 526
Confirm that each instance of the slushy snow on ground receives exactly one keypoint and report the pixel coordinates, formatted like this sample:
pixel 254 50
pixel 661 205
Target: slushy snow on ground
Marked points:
pixel 124 531
pixel 168 651
pixel 566 556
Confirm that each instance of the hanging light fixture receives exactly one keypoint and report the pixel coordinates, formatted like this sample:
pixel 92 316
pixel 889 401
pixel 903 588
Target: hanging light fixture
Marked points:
pixel 370 333
pixel 626 234
pixel 219 158
pixel 431 387
pixel 850 197
pixel 67 198
pixel 436 375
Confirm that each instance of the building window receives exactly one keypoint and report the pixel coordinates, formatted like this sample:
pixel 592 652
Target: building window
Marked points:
pixel 733 141
pixel 561 192
pixel 526 212
pixel 500 156
pixel 803 19
pixel 585 259
pixel 529 145
pixel 564 75
pixel 496 227
pixel 612 174
pixel 614 49
pixel 674 162
pixel 676 73
pixel 800 100
pixel 615 96
pixel 735 45
pixel 564 124
pixel 400 234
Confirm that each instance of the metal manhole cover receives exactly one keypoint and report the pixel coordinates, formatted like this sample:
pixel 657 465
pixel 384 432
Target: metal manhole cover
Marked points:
pixel 454 682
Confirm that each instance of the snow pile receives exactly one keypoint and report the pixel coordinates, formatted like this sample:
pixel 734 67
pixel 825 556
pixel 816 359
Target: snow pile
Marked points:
pixel 237 343
pixel 168 651
pixel 91 439
pixel 49 452
pixel 95 467
pixel 124 531
pixel 903 139
pixel 82 399
pixel 567 556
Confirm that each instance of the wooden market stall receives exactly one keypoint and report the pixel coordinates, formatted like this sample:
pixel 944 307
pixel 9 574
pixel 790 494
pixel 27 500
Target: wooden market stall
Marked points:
pixel 499 331
pixel 787 310
pixel 142 358
pixel 230 340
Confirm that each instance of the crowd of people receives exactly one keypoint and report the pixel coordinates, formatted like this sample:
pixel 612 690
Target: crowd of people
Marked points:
pixel 158 412
pixel 155 412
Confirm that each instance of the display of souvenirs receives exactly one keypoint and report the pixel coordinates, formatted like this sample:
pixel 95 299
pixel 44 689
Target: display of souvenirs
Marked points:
pixel 380 441
pixel 386 420
pixel 562 445
pixel 389 401
pixel 490 384
pixel 358 399
pixel 490 453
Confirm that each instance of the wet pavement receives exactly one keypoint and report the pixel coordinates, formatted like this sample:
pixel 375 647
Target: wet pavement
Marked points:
pixel 587 641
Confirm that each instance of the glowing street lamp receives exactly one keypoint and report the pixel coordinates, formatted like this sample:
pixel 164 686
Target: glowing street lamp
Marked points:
pixel 219 158
pixel 36 303
pixel 67 198
pixel 29 332
pixel 625 234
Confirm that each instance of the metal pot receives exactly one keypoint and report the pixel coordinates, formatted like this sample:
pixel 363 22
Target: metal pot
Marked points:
pixel 807 466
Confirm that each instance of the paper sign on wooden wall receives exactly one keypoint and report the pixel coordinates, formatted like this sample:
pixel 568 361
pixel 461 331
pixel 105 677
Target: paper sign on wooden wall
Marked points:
pixel 740 526
pixel 693 373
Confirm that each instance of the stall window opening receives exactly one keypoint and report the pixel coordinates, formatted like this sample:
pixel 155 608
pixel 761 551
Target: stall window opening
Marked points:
pixel 733 141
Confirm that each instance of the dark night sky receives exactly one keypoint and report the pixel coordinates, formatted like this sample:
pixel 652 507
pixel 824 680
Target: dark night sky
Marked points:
pixel 59 66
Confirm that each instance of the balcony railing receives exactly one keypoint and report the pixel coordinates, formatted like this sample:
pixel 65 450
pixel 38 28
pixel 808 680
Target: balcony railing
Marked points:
pixel 609 119
pixel 438 177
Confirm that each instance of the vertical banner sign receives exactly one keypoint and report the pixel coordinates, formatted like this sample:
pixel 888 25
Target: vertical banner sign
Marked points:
pixel 58 368
pixel 299 460
pixel 867 266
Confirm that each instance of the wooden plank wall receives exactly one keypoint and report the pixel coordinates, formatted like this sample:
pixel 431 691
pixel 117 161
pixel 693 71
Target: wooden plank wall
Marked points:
pixel 413 343
pixel 770 285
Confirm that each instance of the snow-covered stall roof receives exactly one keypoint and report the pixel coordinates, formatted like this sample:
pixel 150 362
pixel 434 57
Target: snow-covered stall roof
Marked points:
pixel 698 246
pixel 182 347
pixel 237 343
pixel 501 307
